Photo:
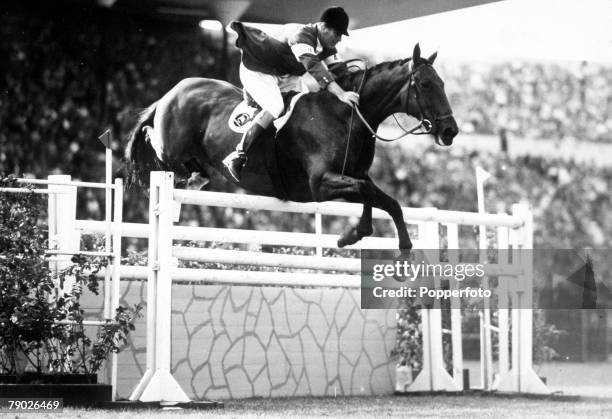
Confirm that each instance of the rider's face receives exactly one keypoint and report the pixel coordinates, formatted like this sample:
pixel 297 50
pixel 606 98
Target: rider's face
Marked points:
pixel 329 37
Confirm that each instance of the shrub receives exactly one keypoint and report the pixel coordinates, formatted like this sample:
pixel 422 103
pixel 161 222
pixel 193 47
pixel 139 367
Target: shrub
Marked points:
pixel 32 308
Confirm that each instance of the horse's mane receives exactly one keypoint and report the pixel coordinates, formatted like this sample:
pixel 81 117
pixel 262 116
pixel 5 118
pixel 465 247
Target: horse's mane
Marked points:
pixel 351 79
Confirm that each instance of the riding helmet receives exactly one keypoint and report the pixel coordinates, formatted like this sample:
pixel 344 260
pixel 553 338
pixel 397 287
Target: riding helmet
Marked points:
pixel 336 18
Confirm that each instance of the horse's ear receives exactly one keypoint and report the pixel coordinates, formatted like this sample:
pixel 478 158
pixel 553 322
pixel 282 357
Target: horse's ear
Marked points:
pixel 416 54
pixel 432 57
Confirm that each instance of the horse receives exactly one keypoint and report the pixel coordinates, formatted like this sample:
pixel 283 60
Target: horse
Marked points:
pixel 318 155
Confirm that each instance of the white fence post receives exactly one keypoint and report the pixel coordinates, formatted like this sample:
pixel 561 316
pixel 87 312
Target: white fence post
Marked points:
pixel 63 235
pixel 529 382
pixel 116 269
pixel 522 378
pixel 433 376
pixel 486 347
pixel 503 309
pixel 319 231
pixel 158 384
pixel 452 235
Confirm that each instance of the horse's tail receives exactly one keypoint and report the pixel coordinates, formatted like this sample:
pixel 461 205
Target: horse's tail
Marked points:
pixel 140 157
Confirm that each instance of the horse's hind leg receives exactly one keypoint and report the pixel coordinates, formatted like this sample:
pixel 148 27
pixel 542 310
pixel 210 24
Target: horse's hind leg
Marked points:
pixel 198 177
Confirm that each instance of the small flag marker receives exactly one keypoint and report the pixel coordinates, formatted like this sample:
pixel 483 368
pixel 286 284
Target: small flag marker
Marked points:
pixel 105 138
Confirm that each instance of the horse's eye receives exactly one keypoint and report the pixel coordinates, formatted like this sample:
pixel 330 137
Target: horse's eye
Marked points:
pixel 426 84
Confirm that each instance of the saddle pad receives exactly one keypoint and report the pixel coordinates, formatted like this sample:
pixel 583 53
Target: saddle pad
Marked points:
pixel 282 120
pixel 242 117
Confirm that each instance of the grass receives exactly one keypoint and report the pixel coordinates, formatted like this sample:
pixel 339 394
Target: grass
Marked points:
pixel 472 406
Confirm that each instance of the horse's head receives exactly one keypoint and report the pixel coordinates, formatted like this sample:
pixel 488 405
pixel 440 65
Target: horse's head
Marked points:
pixel 423 97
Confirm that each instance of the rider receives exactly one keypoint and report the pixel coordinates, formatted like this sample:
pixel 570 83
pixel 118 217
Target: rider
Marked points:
pixel 270 65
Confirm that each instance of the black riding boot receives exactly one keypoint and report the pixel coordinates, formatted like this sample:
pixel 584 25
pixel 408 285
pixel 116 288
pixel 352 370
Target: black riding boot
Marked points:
pixel 237 158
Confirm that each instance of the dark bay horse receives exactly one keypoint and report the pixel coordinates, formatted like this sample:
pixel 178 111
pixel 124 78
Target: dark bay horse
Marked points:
pixel 190 128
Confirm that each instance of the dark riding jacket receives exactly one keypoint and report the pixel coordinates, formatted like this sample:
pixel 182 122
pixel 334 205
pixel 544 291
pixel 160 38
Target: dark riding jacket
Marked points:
pixel 265 54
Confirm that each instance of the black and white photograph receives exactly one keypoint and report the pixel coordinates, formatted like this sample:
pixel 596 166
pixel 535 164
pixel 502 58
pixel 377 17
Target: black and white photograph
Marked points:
pixel 280 208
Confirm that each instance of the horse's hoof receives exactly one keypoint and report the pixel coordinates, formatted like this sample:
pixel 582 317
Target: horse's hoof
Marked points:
pixel 347 239
pixel 405 246
pixel 197 182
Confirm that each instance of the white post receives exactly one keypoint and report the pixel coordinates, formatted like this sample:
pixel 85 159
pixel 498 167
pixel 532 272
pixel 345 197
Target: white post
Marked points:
pixel 452 234
pixel 486 355
pixel 63 235
pixel 116 266
pixel 433 376
pixel 529 382
pixel 108 198
pixel 503 307
pixel 522 377
pixel 319 231
pixel 158 384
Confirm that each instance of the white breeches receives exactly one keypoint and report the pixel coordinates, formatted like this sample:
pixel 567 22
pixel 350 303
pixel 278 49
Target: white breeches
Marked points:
pixel 266 88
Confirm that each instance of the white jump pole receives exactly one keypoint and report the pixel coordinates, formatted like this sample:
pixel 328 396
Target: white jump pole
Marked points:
pixel 105 138
pixel 433 376
pixel 503 322
pixel 522 378
pixel 116 269
pixel 486 349
pixel 63 235
pixel 529 382
pixel 158 384
pixel 112 244
pixel 452 234
pixel 319 231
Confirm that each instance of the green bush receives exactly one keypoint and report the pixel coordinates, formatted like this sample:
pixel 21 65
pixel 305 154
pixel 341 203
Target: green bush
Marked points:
pixel 32 337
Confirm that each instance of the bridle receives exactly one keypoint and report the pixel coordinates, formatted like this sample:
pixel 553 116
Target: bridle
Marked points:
pixel 424 125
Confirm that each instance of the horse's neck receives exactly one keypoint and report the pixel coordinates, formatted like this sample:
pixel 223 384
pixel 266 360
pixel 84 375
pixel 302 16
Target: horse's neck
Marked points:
pixel 380 97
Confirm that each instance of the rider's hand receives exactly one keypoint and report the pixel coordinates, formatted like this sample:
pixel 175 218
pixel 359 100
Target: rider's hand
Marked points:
pixel 350 98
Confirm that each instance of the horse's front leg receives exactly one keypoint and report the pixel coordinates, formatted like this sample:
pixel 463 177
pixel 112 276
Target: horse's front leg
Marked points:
pixel 332 186
pixel 357 232
pixel 393 208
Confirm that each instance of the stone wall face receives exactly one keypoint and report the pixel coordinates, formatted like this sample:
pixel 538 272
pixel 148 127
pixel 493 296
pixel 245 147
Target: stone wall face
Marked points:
pixel 240 341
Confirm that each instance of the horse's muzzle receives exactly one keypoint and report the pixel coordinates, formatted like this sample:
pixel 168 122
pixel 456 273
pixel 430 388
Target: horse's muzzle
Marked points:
pixel 446 130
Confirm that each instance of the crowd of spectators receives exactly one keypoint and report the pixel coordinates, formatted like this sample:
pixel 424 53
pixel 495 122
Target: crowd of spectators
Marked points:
pixel 570 201
pixel 68 77
pixel 535 100
pixel 70 74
